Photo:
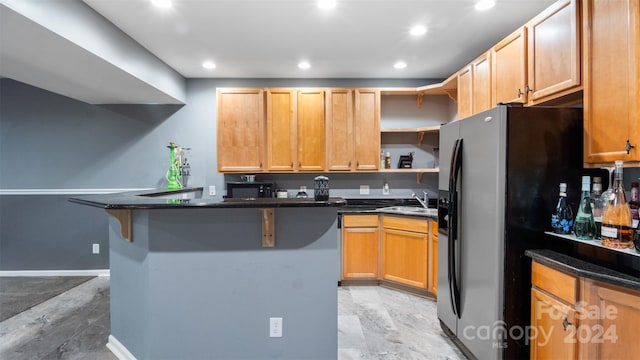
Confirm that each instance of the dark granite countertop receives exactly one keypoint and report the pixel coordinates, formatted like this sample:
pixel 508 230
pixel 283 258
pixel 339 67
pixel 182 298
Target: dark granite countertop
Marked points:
pixel 377 205
pixel 582 268
pixel 190 198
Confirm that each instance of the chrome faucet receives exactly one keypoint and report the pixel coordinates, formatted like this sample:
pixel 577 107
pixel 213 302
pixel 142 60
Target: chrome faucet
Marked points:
pixel 424 201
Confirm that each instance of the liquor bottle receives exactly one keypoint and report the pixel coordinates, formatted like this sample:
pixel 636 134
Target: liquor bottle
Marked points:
pixel 634 204
pixel 562 217
pixel 584 226
pixel 616 228
pixel 387 161
pixel 597 203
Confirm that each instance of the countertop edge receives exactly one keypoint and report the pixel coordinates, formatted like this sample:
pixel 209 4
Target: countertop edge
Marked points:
pixel 583 268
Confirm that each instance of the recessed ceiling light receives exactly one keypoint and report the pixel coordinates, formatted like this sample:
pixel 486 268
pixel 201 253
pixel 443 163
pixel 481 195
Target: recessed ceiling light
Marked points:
pixel 208 65
pixel 418 30
pixel 326 4
pixel 162 3
pixel 304 65
pixel 400 65
pixel 485 4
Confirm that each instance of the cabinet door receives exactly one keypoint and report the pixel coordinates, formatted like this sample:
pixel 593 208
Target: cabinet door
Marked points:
pixel 611 332
pixel 340 129
pixel 611 52
pixel 311 130
pixel 433 257
pixel 553 323
pixel 360 252
pixel 281 129
pixel 367 129
pixel 481 83
pixel 404 257
pixel 240 130
pixel 553 52
pixel 509 68
pixel 465 92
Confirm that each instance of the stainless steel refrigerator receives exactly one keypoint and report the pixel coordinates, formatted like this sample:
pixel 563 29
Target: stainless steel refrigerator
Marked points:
pixel 498 183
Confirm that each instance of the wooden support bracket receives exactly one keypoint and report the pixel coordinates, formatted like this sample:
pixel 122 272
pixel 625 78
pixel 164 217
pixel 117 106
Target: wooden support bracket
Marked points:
pixel 268 228
pixel 124 218
pixel 453 94
pixel 420 96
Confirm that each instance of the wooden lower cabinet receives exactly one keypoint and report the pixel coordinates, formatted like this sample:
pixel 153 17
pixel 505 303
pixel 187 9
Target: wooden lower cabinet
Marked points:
pixel 433 256
pixel 610 328
pixel 405 252
pixel 553 324
pixel 580 318
pixel 360 238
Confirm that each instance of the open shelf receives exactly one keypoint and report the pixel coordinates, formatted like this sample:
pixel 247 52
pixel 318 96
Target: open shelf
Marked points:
pixel 420 131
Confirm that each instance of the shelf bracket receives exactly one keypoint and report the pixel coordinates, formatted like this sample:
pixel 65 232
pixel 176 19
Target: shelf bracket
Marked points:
pixel 268 228
pixel 419 98
pixel 419 177
pixel 453 94
pixel 420 137
pixel 124 218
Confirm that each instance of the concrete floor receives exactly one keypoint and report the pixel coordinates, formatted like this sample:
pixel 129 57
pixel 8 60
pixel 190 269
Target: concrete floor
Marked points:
pixel 373 323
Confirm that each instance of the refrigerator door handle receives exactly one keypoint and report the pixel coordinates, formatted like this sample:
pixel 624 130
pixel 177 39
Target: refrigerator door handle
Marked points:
pixel 456 168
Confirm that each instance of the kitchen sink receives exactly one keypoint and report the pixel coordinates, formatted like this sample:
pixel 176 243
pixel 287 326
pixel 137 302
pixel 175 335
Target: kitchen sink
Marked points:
pixel 409 210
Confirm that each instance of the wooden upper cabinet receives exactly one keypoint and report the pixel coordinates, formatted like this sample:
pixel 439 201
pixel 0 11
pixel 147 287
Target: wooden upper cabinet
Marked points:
pixel 281 130
pixel 553 52
pixel 465 92
pixel 367 129
pixel 240 129
pixel 509 68
pixel 340 129
pixel 481 71
pixel 311 130
pixel 611 64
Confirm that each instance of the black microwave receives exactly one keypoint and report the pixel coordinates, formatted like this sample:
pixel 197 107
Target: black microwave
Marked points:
pixel 244 190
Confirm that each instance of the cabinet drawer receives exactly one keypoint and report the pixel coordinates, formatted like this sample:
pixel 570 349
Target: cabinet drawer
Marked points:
pixel 557 283
pixel 360 220
pixel 404 223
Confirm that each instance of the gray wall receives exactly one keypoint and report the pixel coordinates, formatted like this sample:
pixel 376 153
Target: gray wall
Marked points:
pixel 52 146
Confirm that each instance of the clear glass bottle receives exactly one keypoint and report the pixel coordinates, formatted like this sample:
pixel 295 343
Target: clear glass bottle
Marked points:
pixel 584 226
pixel 616 228
pixel 597 204
pixel 382 161
pixel 562 217
pixel 634 204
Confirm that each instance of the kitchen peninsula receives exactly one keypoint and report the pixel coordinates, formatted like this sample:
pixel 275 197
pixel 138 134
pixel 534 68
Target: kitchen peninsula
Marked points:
pixel 193 277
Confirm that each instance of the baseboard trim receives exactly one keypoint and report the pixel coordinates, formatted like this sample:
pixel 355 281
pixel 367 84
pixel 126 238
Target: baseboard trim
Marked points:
pixel 96 272
pixel 119 350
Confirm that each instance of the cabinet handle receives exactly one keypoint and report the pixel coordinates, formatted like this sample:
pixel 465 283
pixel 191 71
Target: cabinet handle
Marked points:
pixel 358 163
pixel 520 93
pixel 628 147
pixel 527 89
pixel 292 164
pixel 299 164
pixel 260 164
pixel 566 323
pixel 349 163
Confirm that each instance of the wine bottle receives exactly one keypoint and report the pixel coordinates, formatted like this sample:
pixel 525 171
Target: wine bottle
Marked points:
pixel 634 204
pixel 584 226
pixel 597 204
pixel 616 228
pixel 562 217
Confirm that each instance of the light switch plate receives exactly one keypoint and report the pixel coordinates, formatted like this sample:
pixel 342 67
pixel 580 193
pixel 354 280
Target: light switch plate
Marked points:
pixel 212 190
pixel 364 189
pixel 96 248
pixel 275 327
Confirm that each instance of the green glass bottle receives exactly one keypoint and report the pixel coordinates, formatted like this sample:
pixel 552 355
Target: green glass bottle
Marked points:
pixel 584 226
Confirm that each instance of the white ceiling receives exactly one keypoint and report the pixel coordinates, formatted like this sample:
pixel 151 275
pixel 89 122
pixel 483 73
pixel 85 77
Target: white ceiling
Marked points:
pixel 356 39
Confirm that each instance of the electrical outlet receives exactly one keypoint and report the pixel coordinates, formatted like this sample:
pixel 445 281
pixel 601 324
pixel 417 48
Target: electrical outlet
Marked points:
pixel 303 188
pixel 364 189
pixel 385 189
pixel 212 190
pixel 275 327
pixel 96 248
